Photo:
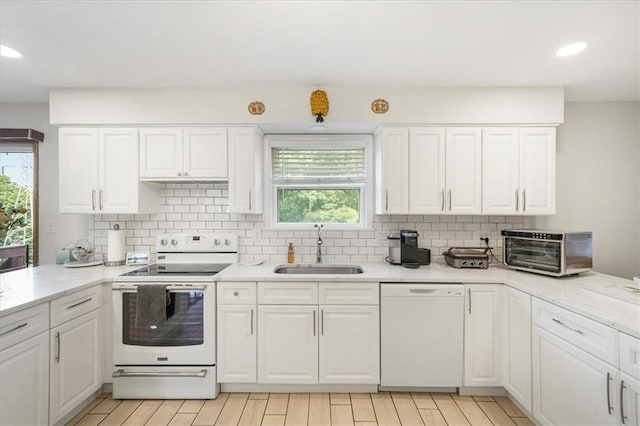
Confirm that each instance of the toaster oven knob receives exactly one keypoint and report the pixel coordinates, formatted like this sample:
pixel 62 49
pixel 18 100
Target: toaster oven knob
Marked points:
pixel 174 242
pixel 227 242
pixel 216 242
pixel 163 242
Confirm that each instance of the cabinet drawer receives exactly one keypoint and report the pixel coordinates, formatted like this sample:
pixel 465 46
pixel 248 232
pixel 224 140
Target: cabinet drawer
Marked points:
pixel 236 293
pixel 349 293
pixel 22 325
pixel 289 293
pixel 597 339
pixel 73 305
pixel 630 355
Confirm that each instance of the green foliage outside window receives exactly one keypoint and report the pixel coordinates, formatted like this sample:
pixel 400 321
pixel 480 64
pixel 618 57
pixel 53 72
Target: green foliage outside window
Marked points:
pixel 318 205
pixel 15 214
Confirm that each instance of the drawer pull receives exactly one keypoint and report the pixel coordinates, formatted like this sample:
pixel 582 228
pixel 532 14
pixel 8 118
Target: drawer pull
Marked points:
pixel 566 326
pixel 622 416
pixel 123 373
pixel 17 327
pixel 609 379
pixel 80 303
pixel 235 293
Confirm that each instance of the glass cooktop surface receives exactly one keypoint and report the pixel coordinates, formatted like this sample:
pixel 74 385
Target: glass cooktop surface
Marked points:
pixel 177 269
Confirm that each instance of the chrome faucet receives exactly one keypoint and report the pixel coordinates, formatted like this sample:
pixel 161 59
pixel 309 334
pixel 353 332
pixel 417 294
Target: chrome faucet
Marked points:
pixel 319 243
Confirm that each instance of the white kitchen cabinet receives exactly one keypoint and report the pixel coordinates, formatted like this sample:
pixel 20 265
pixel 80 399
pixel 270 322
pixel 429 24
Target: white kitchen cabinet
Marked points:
pixel 287 344
pixel 176 153
pixel 463 170
pixel 237 344
pixel 245 170
pixel 392 178
pixel 75 362
pixel 517 345
pixel 426 170
pixel 24 382
pixel 483 335
pixel 630 400
pixel 518 171
pixel 349 344
pixel 571 386
pixel 98 172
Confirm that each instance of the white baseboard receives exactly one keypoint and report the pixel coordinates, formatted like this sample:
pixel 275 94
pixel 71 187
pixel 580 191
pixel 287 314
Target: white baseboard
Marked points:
pixel 482 391
pixel 293 388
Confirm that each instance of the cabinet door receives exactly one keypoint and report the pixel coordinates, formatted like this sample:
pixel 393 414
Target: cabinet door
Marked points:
pixel 500 167
pixel 245 170
pixel 75 363
pixel 78 170
pixel 205 153
pixel 24 382
pixel 538 170
pixel 517 345
pixel 161 153
pixel 426 170
pixel 349 344
pixel 237 340
pixel 118 166
pixel 630 400
pixel 393 190
pixel 287 344
pixel 570 386
pixel 463 170
pixel 483 335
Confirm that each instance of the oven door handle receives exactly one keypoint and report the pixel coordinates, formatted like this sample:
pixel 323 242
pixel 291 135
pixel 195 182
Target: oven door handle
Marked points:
pixel 131 287
pixel 123 373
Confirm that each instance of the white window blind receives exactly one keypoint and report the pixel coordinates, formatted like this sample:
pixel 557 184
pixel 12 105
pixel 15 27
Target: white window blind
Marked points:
pixel 317 165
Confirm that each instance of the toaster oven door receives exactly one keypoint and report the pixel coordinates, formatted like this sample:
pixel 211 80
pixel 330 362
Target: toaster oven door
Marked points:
pixel 533 254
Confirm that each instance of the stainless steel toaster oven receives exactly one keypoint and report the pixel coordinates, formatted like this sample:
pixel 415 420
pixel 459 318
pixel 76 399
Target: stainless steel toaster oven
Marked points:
pixel 548 252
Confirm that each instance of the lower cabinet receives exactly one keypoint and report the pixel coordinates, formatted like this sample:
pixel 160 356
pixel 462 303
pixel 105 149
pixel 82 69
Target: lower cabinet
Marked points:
pixel 237 344
pixel 287 344
pixel 517 345
pixel 483 335
pixel 75 362
pixel 349 344
pixel 24 382
pixel 571 386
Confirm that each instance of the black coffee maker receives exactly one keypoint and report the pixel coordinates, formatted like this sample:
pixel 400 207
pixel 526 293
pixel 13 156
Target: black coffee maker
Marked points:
pixel 410 255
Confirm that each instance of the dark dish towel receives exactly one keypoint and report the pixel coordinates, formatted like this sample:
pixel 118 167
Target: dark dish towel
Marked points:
pixel 151 304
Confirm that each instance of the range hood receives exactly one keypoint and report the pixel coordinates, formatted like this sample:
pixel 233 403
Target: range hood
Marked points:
pixel 21 135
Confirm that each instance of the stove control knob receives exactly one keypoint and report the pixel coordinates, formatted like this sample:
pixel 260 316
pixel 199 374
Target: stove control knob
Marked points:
pixel 163 242
pixel 174 242
pixel 216 242
pixel 227 242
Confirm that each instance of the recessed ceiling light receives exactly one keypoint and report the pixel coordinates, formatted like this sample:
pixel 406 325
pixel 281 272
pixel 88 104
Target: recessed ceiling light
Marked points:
pixel 571 49
pixel 8 52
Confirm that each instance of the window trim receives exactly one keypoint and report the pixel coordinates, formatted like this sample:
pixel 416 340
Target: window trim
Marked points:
pixel 324 141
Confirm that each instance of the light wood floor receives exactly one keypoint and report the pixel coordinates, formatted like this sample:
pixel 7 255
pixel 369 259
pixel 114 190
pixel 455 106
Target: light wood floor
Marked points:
pixel 306 409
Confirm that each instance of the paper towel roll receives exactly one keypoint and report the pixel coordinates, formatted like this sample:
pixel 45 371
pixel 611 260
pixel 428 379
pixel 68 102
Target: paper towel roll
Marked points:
pixel 115 246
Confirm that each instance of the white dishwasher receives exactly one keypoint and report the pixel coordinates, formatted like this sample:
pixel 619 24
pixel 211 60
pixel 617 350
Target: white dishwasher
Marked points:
pixel 421 335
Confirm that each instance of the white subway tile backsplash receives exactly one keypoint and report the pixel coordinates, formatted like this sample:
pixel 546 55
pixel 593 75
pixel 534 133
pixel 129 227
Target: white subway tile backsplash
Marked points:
pixel 203 207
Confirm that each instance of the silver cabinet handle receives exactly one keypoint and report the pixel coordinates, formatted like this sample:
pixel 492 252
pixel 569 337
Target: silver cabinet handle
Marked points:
pixel 100 199
pixel 79 303
pixel 442 197
pixel 517 200
pixel 314 322
pixel 469 301
pixel 609 407
pixel 524 200
pixel 18 327
pixel 59 343
pixel 252 321
pixel 235 293
pixel 179 174
pixel 250 200
pixel 623 418
pixel 450 200
pixel 93 199
pixel 123 373
pixel 322 322
pixel 386 200
pixel 575 330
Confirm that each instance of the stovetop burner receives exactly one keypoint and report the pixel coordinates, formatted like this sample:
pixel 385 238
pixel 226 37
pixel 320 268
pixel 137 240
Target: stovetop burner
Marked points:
pixel 178 269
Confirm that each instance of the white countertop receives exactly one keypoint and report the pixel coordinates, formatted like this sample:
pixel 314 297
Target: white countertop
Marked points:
pixel 29 287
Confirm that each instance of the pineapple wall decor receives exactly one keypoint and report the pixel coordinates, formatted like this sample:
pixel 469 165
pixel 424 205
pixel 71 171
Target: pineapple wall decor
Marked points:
pixel 319 105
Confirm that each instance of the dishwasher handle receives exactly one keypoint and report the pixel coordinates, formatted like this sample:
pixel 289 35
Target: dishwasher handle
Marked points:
pixel 422 290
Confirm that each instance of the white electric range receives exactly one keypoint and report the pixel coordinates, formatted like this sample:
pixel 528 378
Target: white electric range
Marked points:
pixel 176 357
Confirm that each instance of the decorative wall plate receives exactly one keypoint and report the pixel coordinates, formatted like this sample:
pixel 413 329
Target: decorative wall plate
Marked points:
pixel 379 106
pixel 256 108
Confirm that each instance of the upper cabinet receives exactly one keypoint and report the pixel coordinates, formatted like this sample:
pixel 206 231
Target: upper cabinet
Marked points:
pixel 98 172
pixel 429 170
pixel 518 173
pixel 175 153
pixel 245 170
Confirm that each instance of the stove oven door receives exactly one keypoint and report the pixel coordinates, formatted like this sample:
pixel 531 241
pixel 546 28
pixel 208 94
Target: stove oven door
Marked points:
pixel 187 337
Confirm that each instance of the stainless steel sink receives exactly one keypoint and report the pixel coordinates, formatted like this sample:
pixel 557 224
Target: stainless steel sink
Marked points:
pixel 318 269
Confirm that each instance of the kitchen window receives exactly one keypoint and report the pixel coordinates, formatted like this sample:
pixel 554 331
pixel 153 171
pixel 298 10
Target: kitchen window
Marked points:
pixel 319 179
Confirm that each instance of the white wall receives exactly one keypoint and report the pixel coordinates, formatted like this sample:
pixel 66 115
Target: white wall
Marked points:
pixel 67 228
pixel 598 182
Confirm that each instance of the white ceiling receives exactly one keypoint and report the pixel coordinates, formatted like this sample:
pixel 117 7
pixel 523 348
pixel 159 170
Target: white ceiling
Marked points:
pixel 81 43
